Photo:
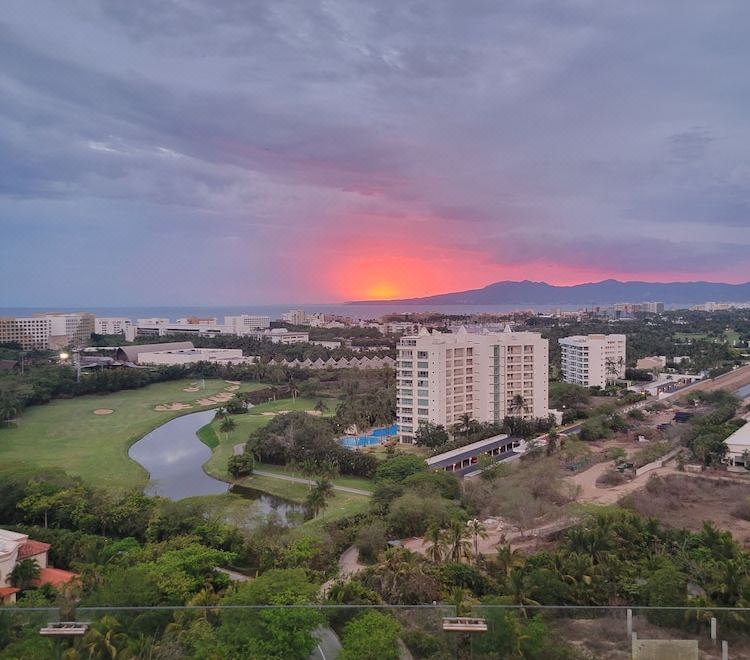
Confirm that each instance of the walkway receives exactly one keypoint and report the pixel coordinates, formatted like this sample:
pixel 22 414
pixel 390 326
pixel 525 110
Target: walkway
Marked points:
pixel 311 482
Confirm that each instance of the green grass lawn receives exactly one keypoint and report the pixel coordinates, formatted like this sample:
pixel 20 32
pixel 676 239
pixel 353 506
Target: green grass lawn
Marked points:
pixel 66 434
pixel 350 482
pixel 223 443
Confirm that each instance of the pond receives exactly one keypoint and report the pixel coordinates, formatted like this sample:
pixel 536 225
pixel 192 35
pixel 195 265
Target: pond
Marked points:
pixel 174 457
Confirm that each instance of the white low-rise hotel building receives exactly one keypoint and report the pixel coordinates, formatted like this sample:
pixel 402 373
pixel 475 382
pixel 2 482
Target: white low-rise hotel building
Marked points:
pixel 593 360
pixel 246 323
pixel 442 377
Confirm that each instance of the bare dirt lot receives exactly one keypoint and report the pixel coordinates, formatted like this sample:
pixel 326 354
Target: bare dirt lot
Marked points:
pixel 681 500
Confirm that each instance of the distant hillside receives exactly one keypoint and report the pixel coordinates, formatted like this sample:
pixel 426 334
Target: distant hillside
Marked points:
pixel 593 293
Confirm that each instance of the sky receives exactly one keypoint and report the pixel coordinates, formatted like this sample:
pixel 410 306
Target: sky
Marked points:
pixel 246 151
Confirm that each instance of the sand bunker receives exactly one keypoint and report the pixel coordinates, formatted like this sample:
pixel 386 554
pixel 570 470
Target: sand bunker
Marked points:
pixel 222 397
pixel 268 414
pixel 192 388
pixel 103 411
pixel 314 413
pixel 284 412
pixel 233 382
pixel 232 388
pixel 164 407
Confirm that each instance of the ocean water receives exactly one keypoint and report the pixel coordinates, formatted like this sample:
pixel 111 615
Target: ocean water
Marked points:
pixel 356 311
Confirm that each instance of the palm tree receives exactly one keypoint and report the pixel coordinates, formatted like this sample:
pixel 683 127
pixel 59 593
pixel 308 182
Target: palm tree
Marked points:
pixel 227 426
pixel 457 540
pixel 477 530
pixel 508 559
pixel 518 586
pixel 24 573
pixel 465 424
pixel 293 389
pixel 318 497
pixel 436 551
pixel 321 406
pixel 518 405
pixel 105 640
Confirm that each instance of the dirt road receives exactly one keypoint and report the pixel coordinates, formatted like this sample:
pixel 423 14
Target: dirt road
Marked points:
pixel 731 381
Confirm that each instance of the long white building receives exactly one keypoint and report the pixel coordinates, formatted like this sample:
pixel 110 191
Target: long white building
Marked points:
pixel 593 360
pixel 441 377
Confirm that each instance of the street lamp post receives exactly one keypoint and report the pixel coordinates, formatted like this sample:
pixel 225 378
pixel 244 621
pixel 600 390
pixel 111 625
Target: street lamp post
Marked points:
pixel 76 361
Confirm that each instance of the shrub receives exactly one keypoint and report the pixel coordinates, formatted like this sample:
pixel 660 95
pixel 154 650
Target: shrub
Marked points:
pixel 371 540
pixel 371 636
pixel 399 468
pixel 611 478
pixel 411 514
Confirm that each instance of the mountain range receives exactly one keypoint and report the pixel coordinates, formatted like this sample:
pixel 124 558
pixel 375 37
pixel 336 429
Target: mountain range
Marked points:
pixel 592 293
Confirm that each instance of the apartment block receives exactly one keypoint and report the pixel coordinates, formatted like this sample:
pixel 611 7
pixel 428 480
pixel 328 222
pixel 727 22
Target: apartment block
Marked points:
pixel 593 360
pixel 295 317
pixel 442 377
pixel 69 329
pixel 28 331
pixel 111 325
pixel 48 331
pixel 248 323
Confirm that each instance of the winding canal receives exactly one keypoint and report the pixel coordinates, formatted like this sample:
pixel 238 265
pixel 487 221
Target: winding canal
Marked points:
pixel 174 456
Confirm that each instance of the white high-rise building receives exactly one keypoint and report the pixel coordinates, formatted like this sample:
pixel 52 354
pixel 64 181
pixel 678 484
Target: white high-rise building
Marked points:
pixel 248 323
pixel 593 360
pixel 442 377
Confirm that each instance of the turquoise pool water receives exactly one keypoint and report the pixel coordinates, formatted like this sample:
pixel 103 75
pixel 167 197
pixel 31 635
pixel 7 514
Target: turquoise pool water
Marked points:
pixel 372 438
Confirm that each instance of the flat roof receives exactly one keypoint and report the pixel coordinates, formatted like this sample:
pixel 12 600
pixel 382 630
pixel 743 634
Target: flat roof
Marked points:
pixel 467 451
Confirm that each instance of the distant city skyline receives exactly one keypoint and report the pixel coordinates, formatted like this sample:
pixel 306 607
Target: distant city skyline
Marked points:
pixel 295 153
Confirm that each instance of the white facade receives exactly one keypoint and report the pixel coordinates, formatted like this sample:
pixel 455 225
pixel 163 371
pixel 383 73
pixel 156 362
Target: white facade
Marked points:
pixel 400 328
pixel 10 544
pixel 284 336
pixel 441 377
pixel 162 329
pixel 593 360
pixel 152 321
pixel 197 320
pixel 295 317
pixel 245 323
pixel 111 325
pixel 192 355
pixel 737 444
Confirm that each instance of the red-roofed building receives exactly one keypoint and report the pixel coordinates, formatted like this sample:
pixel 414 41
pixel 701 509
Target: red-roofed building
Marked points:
pixel 34 550
pixel 54 576
pixel 8 595
pixel 15 547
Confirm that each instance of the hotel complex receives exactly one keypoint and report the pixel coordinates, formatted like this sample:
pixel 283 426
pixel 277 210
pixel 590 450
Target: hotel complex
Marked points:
pixel 47 331
pixel 593 360
pixel 441 377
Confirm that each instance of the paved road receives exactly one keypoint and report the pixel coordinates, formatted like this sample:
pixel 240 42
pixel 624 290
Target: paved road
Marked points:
pixel 328 646
pixel 310 482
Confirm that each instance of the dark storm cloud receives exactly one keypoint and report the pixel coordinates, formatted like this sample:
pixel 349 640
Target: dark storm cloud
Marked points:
pixel 618 128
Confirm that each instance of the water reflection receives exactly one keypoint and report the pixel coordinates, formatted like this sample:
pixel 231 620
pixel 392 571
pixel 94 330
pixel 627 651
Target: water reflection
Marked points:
pixel 174 457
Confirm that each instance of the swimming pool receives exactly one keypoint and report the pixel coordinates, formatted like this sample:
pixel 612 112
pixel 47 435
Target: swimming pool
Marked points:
pixel 372 438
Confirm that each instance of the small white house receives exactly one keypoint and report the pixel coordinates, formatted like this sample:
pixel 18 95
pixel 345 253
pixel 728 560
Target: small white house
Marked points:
pixel 737 444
